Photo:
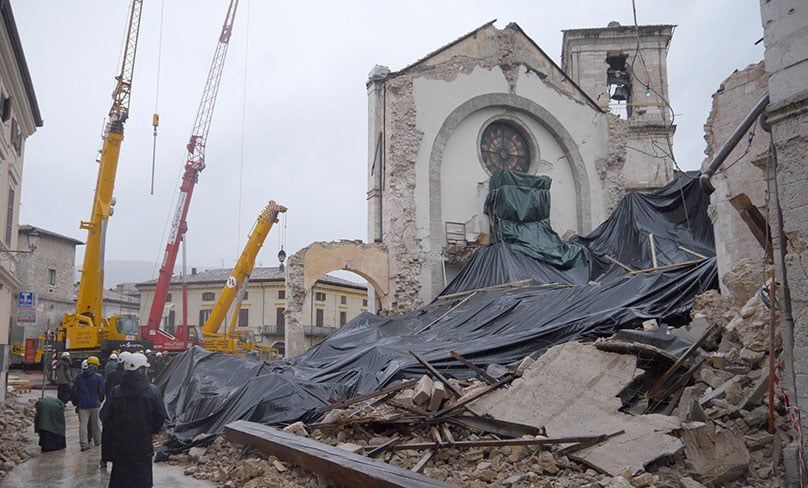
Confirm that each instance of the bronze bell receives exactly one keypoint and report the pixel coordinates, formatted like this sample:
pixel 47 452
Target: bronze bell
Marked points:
pixel 620 94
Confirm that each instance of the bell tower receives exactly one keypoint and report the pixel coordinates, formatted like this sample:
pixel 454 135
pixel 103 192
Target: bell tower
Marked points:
pixel 624 69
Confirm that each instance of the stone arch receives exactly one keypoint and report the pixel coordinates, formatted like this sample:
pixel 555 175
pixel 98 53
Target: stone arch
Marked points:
pixel 532 110
pixel 310 263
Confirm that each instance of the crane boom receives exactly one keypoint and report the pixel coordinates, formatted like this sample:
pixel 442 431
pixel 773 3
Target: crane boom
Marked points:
pixel 194 164
pixel 243 269
pixel 89 300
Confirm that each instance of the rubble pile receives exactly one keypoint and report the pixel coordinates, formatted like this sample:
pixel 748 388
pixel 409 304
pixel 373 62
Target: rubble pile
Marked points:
pixel 711 402
pixel 232 466
pixel 16 418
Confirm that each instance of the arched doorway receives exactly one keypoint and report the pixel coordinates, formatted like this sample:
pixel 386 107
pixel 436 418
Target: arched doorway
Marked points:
pixel 310 263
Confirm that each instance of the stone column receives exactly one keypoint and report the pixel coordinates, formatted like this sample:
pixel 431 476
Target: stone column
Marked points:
pixel 785 24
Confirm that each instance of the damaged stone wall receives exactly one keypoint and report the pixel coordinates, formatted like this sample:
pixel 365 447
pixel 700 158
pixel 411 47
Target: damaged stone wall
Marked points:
pixel 402 142
pixel 424 163
pixel 306 266
pixel 785 25
pixel 743 173
pixel 610 170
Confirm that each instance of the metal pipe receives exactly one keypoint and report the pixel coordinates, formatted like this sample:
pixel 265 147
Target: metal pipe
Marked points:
pixel 726 149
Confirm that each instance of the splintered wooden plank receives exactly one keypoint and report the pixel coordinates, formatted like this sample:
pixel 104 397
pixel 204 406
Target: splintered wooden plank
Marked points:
pixel 348 469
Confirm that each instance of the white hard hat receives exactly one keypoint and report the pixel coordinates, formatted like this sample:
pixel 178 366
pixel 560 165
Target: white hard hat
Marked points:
pixel 159 354
pixel 148 351
pixel 65 354
pixel 124 357
pixel 136 362
pixel 113 356
pixel 85 364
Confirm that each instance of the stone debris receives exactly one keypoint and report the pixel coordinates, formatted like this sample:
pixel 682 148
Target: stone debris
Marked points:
pixel 710 430
pixel 16 443
pixel 709 427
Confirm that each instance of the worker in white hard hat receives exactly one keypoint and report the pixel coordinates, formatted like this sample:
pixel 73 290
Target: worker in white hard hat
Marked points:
pixel 112 364
pixel 132 414
pixel 64 377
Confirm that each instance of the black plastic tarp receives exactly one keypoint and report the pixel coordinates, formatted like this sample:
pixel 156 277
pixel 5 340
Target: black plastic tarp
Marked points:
pixel 205 391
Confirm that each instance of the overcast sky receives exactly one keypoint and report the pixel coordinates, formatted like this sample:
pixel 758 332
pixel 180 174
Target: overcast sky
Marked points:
pixel 290 123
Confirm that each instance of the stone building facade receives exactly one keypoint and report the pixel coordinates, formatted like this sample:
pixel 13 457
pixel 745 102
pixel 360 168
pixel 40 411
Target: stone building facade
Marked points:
pixel 330 303
pixel 785 24
pixel 48 273
pixel 19 119
pixel 492 100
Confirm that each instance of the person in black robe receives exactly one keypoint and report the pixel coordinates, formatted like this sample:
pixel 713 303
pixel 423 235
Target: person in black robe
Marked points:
pixel 133 413
pixel 49 423
pixel 113 379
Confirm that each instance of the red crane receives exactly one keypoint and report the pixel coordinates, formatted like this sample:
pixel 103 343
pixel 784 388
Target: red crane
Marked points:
pixel 186 335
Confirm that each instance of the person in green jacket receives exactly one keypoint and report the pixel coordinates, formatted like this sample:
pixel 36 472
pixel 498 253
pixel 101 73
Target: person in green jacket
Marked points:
pixel 112 365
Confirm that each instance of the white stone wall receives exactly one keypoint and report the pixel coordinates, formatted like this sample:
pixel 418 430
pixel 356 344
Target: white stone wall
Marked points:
pixel 785 25
pixel 744 170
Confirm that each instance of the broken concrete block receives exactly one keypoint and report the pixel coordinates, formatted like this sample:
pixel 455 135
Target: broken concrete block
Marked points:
pixel 526 362
pixel 643 480
pixel 616 482
pixel 688 482
pixel 712 376
pixel 718 456
pixel 350 447
pixel 733 393
pixel 689 408
pixel 572 389
pixel 336 416
pixel 496 371
pixel 297 428
pixel 757 417
pixel 423 390
pixel 751 357
pixel 720 391
pixel 717 360
pixel 650 325
pixel 757 439
pixel 437 397
pixel 514 478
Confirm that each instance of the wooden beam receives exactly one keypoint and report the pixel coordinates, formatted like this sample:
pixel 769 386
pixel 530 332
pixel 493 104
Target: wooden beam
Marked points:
pixel 480 372
pixel 694 253
pixel 512 284
pixel 374 394
pixel 755 221
pixel 653 250
pixel 342 467
pixel 625 267
pixel 593 439
pixel 685 355
pixel 461 302
pixel 667 266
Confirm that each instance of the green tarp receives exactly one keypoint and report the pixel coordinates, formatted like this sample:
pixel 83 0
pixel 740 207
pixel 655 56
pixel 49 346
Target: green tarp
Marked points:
pixel 518 206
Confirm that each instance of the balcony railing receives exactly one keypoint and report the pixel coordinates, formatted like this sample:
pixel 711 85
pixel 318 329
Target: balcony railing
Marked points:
pixel 309 330
pixel 317 331
pixel 273 330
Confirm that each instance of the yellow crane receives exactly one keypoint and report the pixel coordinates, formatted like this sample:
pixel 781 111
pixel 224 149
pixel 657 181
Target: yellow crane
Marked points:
pixel 87 331
pixel 230 341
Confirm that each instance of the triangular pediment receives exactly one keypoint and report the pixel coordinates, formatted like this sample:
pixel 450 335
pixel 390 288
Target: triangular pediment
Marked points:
pixel 508 47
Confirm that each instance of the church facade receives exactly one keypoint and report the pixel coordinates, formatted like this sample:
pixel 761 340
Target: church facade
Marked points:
pixel 598 126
